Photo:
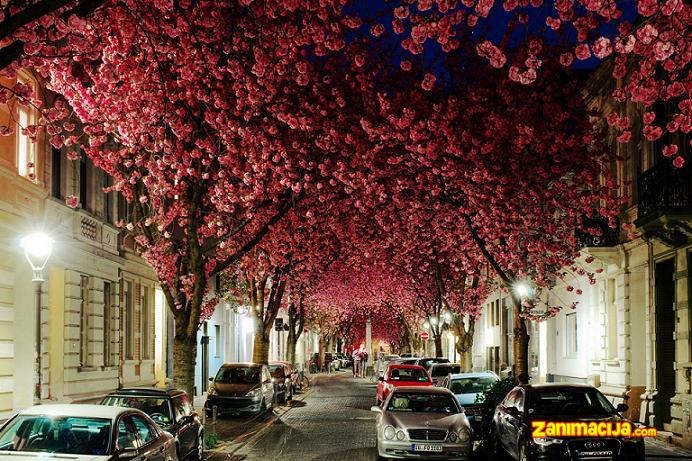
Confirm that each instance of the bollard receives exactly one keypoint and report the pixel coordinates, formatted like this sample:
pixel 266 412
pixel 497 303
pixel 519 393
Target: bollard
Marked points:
pixel 213 417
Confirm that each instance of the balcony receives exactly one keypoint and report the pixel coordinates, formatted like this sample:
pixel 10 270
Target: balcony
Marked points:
pixel 665 203
pixel 595 233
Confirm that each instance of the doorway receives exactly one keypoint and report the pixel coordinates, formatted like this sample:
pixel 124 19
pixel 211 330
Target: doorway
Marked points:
pixel 665 343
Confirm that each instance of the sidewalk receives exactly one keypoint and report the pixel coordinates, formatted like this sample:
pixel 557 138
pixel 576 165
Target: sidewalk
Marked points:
pixel 658 448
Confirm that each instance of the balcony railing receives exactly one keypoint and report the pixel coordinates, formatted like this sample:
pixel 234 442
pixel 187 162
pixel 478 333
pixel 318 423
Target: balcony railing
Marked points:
pixel 596 232
pixel 664 191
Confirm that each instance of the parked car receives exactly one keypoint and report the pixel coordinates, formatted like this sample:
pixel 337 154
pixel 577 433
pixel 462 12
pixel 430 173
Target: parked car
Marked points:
pixel 439 371
pixel 331 360
pixel 295 376
pixel 171 410
pixel 566 403
pixel 406 355
pixel 401 375
pixel 425 362
pixel 241 388
pixel 422 422
pixel 84 433
pixel 466 387
pixel 283 383
pixel 409 361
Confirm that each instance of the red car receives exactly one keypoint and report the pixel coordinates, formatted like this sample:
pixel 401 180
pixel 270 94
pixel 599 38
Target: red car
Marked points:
pixel 401 375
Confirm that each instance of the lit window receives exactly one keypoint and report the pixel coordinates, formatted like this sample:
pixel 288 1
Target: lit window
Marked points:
pixel 571 336
pixel 26 148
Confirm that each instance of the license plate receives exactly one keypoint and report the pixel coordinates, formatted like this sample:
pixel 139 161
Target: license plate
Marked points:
pixel 479 418
pixel 427 447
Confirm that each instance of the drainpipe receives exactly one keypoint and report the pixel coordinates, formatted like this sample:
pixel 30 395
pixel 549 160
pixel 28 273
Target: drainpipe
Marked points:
pixel 205 357
pixel 646 416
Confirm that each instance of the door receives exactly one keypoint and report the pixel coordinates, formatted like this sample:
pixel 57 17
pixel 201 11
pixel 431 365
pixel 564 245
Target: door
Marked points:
pixel 513 424
pixel 185 424
pixel 152 445
pixel 665 343
pixel 504 424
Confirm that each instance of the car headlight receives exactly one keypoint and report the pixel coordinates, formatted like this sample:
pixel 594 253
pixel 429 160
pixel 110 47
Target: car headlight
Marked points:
pixel 545 441
pixel 400 435
pixel 389 432
pixel 255 393
pixel 464 435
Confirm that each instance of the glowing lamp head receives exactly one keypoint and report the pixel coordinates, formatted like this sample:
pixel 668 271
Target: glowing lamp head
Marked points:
pixel 522 289
pixel 37 249
pixel 426 324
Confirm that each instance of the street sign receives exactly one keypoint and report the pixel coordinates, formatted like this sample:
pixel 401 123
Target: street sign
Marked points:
pixel 279 324
pixel 424 335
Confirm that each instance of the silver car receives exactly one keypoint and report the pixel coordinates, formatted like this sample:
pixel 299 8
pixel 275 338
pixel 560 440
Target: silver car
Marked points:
pixel 422 422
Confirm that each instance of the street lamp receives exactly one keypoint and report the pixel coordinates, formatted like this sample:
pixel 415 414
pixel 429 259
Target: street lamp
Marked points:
pixel 37 249
pixel 522 289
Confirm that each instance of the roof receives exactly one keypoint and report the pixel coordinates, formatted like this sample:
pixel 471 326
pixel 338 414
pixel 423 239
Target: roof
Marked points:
pixel 76 410
pixel 557 386
pixel 475 374
pixel 148 391
pixel 423 390
pixel 241 365
pixel 400 366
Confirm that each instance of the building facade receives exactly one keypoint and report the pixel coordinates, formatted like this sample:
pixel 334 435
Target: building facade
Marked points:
pixel 630 332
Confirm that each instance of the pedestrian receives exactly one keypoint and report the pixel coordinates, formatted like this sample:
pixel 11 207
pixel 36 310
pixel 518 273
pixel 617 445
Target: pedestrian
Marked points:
pixel 364 363
pixel 356 363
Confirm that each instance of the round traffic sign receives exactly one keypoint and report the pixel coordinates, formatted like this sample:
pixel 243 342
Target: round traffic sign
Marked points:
pixel 424 335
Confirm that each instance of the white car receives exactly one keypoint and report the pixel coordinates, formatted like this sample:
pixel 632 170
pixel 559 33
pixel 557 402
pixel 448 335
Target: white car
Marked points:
pixel 84 433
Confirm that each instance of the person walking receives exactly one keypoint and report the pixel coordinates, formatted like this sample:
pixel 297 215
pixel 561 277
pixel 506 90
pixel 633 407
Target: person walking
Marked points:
pixel 364 363
pixel 356 363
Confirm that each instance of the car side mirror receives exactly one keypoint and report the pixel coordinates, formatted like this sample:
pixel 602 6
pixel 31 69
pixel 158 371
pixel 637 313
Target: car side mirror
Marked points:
pixel 381 378
pixel 211 378
pixel 376 409
pixel 622 407
pixel 513 411
pixel 127 453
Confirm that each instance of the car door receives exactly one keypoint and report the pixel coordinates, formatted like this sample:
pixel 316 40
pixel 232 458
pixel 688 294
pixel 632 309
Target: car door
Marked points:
pixel 152 445
pixel 502 419
pixel 127 440
pixel 185 424
pixel 514 414
pixel 267 385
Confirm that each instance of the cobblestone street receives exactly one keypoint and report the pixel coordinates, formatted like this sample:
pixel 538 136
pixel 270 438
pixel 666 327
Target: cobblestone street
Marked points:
pixel 333 423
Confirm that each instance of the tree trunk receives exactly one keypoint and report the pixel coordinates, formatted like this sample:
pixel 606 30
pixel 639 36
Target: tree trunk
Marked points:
pixel 520 345
pixel 320 357
pixel 438 344
pixel 291 342
pixel 464 345
pixel 260 349
pixel 184 355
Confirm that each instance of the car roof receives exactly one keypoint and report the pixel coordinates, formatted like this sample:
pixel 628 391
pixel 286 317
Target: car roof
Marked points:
pixel 445 365
pixel 241 365
pixel 544 386
pixel 148 392
pixel 474 374
pixel 399 366
pixel 77 410
pixel 422 390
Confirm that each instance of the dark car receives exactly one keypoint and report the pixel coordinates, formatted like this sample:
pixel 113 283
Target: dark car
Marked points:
pixel 560 403
pixel 283 382
pixel 171 410
pixel 241 388
pixel 425 362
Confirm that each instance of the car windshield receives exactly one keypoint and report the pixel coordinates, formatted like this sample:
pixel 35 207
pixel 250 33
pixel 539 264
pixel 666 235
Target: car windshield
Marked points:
pixel 444 370
pixel 63 434
pixel 427 362
pixel 408 375
pixel 472 385
pixel 422 403
pixel 238 375
pixel 156 407
pixel 277 371
pixel 569 401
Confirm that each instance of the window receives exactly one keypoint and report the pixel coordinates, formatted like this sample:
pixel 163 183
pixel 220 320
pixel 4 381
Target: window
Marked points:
pixel 107 199
pixel 84 183
pixel 611 320
pixel 181 407
pixel 26 148
pixel 571 334
pixel 217 341
pixel 497 312
pixel 57 174
pixel 84 323
pixel 146 334
pixel 129 321
pixel 107 321
pixel 147 432
pixel 127 438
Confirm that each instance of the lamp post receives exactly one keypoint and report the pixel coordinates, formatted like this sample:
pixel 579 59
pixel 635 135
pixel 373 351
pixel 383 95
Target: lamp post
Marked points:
pixel 37 249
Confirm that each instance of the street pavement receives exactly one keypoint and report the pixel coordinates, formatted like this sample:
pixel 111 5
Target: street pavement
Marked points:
pixel 333 422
